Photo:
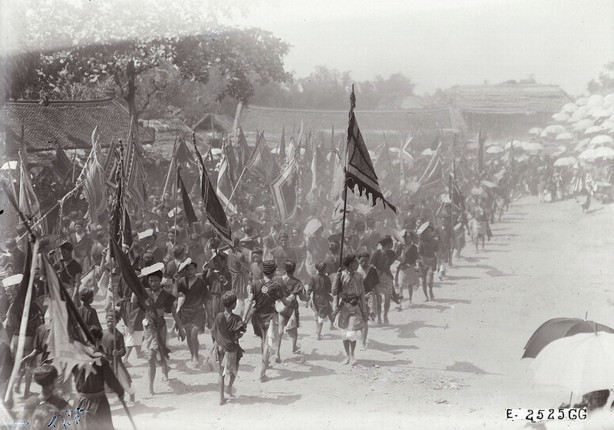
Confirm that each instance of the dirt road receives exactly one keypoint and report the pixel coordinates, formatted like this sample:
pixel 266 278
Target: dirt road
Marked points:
pixel 452 363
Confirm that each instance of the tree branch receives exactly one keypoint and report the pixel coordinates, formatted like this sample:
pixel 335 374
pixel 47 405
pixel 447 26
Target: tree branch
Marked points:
pixel 149 96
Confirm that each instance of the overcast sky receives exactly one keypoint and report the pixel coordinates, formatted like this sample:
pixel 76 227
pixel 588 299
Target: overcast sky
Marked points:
pixel 440 43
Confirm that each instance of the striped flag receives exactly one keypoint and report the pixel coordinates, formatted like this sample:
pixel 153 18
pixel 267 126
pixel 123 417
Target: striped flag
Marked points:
pixel 70 343
pixel 225 183
pixel 91 178
pixel 434 171
pixel 242 151
pixel 213 207
pixel 134 172
pixel 284 191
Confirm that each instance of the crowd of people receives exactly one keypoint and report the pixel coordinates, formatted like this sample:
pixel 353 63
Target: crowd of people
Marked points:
pixel 270 272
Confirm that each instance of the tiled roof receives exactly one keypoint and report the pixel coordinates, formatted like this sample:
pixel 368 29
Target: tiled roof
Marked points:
pixel 508 99
pixel 67 123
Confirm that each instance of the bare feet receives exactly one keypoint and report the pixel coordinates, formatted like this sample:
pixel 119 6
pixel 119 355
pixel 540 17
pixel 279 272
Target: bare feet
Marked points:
pixel 352 361
pixel 346 361
pixel 264 378
pixel 277 360
pixel 223 401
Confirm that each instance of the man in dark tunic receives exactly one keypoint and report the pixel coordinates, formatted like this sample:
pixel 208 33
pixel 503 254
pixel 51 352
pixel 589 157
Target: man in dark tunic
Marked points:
pixel 191 291
pixel 283 252
pixel 158 303
pixel 382 259
pixel 260 309
pixel 91 396
pixel 289 317
pixel 227 330
pixel 69 270
pixel 46 410
pixel 87 312
pixel 319 289
pixel 370 281
pixel 218 281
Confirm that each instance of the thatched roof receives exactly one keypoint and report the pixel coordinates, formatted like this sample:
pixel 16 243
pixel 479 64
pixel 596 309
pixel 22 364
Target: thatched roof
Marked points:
pixel 169 131
pixel 68 124
pixel 508 99
pixel 221 123
pixel 272 120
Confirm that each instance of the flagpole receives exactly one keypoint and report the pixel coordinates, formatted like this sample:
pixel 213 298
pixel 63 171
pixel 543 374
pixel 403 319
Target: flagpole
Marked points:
pixel 345 185
pixel 170 167
pixel 452 186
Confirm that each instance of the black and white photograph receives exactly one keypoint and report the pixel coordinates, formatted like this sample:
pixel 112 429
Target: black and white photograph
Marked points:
pixel 317 214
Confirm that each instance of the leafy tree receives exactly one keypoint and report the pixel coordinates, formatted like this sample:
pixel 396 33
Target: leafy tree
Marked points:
pixel 605 82
pixel 123 42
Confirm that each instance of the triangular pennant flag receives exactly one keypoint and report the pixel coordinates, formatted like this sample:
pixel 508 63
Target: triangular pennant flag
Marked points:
pixel 225 184
pixel 359 171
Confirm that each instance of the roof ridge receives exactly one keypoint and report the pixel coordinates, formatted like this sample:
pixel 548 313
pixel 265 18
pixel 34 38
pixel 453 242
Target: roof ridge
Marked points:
pixel 345 111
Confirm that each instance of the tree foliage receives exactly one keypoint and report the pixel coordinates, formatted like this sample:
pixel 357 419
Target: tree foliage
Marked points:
pixel 605 82
pixel 329 89
pixel 120 42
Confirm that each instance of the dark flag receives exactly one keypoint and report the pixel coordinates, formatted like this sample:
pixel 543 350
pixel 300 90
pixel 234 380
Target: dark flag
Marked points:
pixel 213 207
pixel 284 190
pixel 127 229
pixel 456 197
pixel 62 164
pixel 127 272
pixel 116 214
pixel 261 163
pixel 481 141
pixel 187 203
pixel 359 168
pixel 182 153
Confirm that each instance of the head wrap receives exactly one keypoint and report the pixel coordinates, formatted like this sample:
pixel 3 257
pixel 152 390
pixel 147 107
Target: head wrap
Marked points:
pixel 289 265
pixel 45 374
pixel 283 235
pixel 157 273
pixel 347 260
pixel 386 240
pixel 362 254
pixel 178 250
pixel 67 246
pixel 86 294
pixel 321 267
pixel 269 267
pixel 257 251
pixel 229 298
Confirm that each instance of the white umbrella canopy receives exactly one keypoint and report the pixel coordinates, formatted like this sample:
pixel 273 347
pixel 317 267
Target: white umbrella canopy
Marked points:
pixel 517 145
pixel 600 113
pixel 583 124
pixel 428 151
pixel 595 100
pixel 593 129
pixel 569 108
pixel 532 146
pixel 602 139
pixel 10 165
pixel 561 117
pixel 565 162
pixel 603 152
pixel 608 100
pixel 555 129
pixel 582 101
pixel 565 136
pixel 536 131
pixel 580 363
pixel 494 150
pixel 608 124
pixel 582 144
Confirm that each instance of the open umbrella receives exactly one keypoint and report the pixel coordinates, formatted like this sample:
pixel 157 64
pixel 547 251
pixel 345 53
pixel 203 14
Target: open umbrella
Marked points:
pixel 532 146
pixel 557 328
pixel 595 100
pixel 603 152
pixel 428 151
pixel 593 129
pixel 569 108
pixel 600 113
pixel 582 101
pixel 536 131
pixel 565 136
pixel 560 116
pixel 494 150
pixel 581 363
pixel 608 100
pixel 554 129
pixel 10 165
pixel 582 144
pixel 565 162
pixel 583 124
pixel 602 139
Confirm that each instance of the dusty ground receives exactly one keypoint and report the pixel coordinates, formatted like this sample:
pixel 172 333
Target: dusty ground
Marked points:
pixel 452 363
